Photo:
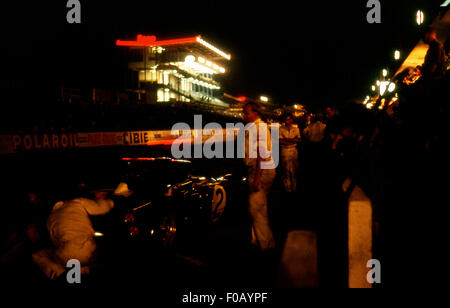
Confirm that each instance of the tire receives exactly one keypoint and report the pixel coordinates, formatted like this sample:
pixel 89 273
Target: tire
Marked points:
pixel 168 229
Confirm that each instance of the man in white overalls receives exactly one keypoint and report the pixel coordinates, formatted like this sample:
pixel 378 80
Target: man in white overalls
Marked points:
pixel 72 233
pixel 260 179
pixel 289 138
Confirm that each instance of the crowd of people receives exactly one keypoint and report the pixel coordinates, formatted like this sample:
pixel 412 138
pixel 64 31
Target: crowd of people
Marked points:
pixel 395 153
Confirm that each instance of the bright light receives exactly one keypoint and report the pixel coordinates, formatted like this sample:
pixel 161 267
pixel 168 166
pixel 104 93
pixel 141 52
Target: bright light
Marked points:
pixel 202 65
pixel 189 59
pixel 369 106
pixel 385 72
pixel 384 86
pixel 264 98
pixel 397 54
pixel 167 90
pixel 393 100
pixel 378 83
pixel 419 17
pixel 391 87
pixel 446 3
pixel 366 100
pixel 98 234
pixel 374 88
pixel 218 51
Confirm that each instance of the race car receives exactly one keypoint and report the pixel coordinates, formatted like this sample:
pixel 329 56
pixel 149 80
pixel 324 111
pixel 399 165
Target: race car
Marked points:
pixel 171 200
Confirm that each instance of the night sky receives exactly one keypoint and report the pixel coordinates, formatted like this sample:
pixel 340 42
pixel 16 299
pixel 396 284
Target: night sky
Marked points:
pixel 312 52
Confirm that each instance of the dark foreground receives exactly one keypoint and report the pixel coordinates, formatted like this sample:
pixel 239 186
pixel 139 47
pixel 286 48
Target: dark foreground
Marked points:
pixel 212 256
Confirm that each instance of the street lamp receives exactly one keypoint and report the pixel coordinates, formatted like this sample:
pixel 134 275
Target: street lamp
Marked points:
pixel 385 72
pixel 419 17
pixel 391 87
pixel 397 55
pixel 264 99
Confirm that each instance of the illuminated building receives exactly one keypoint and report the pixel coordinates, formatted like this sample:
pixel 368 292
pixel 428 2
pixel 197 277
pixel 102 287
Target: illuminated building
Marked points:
pixel 178 70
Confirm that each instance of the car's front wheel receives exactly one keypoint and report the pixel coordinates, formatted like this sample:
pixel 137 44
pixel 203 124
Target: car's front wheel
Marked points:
pixel 168 229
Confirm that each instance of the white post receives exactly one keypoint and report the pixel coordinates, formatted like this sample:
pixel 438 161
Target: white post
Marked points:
pixel 359 237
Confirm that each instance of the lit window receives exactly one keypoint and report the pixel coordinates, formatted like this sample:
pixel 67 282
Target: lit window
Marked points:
pixel 160 95
pixel 166 95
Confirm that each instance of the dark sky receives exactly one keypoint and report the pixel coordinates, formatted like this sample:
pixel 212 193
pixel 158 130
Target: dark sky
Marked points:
pixel 313 52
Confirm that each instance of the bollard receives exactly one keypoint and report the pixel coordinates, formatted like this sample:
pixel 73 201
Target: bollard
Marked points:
pixel 298 266
pixel 359 237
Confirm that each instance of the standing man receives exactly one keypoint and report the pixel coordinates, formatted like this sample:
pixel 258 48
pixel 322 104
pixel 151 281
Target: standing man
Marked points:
pixel 315 131
pixel 261 173
pixel 289 139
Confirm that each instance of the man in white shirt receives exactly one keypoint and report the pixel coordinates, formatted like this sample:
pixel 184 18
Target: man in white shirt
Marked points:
pixel 289 138
pixel 260 178
pixel 315 131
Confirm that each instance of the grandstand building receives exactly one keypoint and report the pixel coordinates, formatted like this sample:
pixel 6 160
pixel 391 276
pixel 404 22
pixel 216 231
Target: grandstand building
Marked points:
pixel 176 70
